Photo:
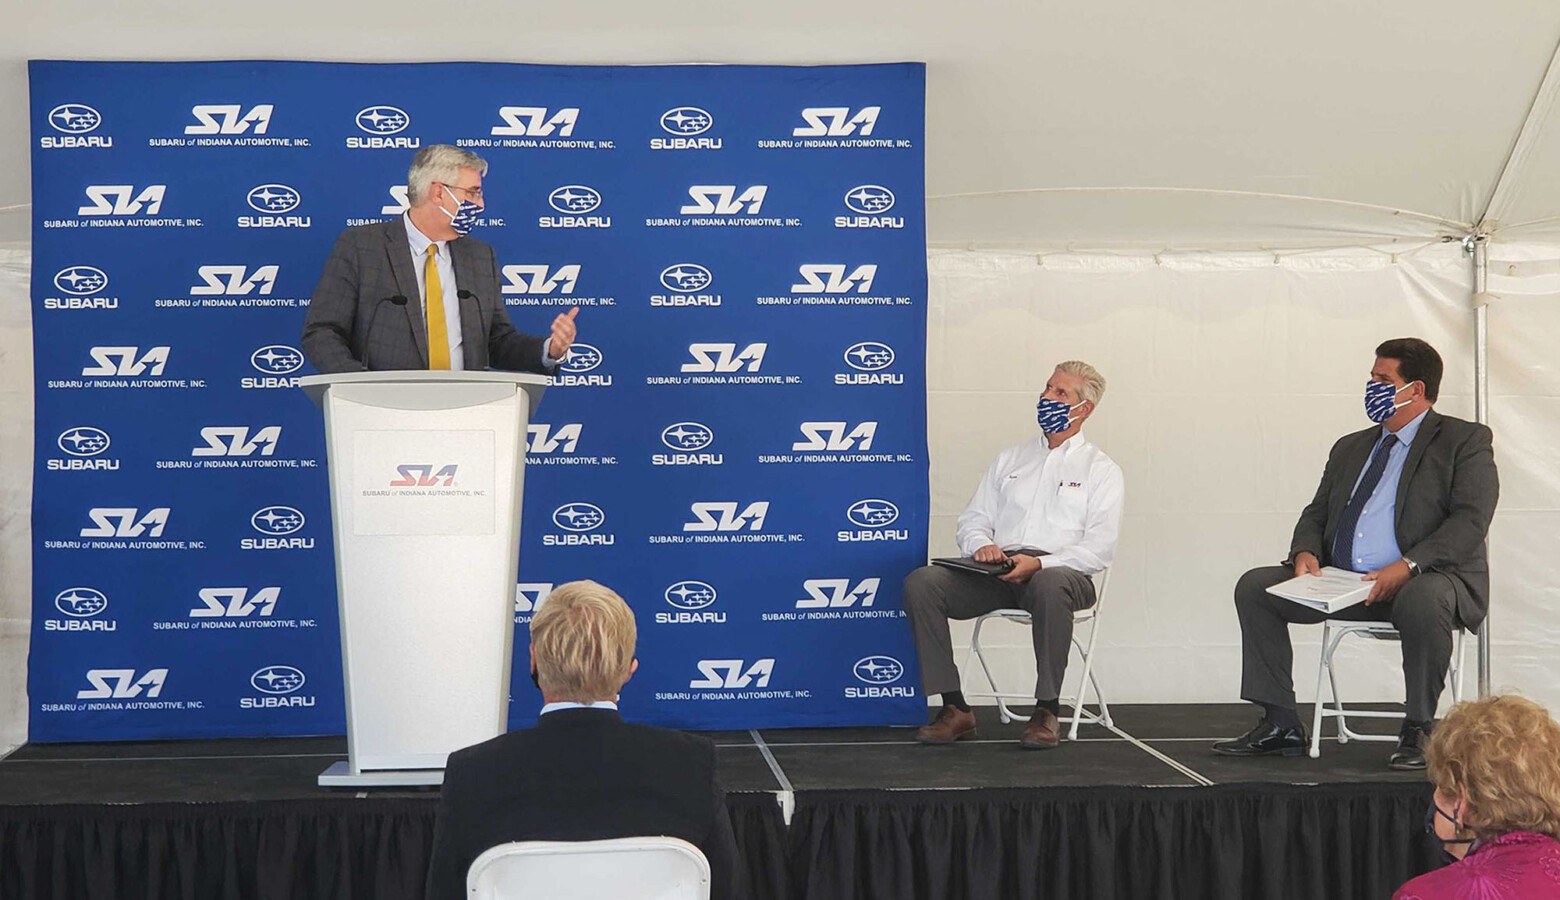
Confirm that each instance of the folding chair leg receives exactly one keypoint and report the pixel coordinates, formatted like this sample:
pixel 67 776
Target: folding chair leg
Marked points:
pixel 1085 681
pixel 1332 679
pixel 1323 664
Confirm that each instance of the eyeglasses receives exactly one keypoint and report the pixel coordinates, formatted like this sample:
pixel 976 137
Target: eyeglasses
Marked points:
pixel 474 193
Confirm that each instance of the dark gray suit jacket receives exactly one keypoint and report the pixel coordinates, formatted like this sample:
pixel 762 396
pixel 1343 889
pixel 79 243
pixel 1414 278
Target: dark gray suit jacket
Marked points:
pixel 354 322
pixel 1445 500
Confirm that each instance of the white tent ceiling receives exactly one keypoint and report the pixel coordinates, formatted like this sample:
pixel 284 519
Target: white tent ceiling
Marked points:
pixel 1359 109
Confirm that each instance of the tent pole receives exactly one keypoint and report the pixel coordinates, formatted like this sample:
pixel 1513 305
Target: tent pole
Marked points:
pixel 1481 400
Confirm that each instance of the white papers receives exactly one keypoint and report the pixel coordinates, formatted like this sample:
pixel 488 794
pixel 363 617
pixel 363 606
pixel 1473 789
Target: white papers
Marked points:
pixel 1328 592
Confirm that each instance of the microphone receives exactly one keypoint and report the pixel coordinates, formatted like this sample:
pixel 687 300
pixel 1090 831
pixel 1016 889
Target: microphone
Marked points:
pixel 464 294
pixel 398 300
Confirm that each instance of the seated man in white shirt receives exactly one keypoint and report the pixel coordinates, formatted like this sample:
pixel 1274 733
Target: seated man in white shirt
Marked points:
pixel 1053 506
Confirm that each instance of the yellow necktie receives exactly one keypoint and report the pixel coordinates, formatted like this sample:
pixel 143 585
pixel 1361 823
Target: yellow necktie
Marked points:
pixel 438 333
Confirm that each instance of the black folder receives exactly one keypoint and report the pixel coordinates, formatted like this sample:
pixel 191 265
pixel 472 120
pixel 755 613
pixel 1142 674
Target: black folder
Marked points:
pixel 971 564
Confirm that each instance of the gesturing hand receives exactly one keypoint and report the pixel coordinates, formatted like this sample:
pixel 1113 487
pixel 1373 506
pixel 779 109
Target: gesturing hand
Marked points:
pixel 563 332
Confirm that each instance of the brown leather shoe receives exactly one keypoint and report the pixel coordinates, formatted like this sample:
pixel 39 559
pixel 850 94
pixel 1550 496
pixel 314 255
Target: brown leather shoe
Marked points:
pixel 951 724
pixel 1043 732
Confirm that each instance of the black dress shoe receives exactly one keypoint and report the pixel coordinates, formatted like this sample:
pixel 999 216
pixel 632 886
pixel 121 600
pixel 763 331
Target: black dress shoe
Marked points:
pixel 1266 739
pixel 1410 752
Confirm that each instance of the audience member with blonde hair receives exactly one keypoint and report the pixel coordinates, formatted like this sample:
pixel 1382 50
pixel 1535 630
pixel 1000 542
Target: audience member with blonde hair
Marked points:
pixel 582 773
pixel 1495 764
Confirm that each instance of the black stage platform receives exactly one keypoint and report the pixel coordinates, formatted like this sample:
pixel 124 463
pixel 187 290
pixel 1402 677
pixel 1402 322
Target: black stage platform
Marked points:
pixel 1141 811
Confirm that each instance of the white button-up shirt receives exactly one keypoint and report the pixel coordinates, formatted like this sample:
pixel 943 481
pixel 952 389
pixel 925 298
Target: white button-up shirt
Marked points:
pixel 421 247
pixel 1066 502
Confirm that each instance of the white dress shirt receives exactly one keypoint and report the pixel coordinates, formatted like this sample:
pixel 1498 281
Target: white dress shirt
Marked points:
pixel 421 246
pixel 1066 502
pixel 570 704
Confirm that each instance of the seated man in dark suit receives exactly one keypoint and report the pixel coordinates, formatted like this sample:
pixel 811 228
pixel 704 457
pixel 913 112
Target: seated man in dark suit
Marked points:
pixel 1407 504
pixel 582 773
pixel 417 293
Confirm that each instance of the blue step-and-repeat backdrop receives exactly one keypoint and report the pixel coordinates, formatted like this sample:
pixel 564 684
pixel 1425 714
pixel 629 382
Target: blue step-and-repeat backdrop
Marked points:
pixel 737 444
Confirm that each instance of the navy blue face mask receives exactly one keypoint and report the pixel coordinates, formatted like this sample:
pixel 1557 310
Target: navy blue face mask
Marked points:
pixel 1380 400
pixel 464 218
pixel 1053 415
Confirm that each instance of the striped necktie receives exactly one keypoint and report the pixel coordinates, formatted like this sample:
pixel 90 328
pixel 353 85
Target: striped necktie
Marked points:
pixel 1343 539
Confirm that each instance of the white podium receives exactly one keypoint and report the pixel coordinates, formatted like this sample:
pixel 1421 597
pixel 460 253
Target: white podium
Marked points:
pixel 426 476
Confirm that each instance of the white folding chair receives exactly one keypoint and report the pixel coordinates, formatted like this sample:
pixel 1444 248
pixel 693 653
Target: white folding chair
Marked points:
pixel 1087 680
pixel 1333 633
pixel 637 868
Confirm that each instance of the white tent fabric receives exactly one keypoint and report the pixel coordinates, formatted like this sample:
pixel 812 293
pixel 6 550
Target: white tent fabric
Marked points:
pixel 1164 161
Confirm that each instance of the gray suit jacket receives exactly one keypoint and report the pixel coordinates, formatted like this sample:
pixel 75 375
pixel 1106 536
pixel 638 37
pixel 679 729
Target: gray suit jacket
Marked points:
pixel 365 313
pixel 1445 500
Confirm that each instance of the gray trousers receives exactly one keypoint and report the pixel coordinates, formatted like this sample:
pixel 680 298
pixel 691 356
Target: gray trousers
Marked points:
pixel 933 595
pixel 1424 612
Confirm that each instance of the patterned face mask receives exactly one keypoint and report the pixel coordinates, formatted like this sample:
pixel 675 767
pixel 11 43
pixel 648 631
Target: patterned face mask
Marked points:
pixel 1053 415
pixel 1379 397
pixel 464 218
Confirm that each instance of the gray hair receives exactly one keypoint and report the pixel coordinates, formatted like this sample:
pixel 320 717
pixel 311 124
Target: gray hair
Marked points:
pixel 441 163
pixel 1093 382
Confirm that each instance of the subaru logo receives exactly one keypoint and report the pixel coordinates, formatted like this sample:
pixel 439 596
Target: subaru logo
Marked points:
pixel 870 199
pixel 869 356
pixel 690 595
pixel 81 280
pixel 80 602
pixel 83 440
pixel 685 278
pixel 879 669
pixel 873 513
pixel 574 199
pixel 277 679
pixel 276 359
pixel 580 358
pixel 74 118
pixel 383 120
pixel 686 121
pixel 277 520
pixel 687 436
pixel 579 517
pixel 274 198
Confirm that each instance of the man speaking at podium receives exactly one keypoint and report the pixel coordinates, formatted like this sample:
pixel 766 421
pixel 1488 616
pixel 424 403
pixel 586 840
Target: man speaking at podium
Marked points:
pixel 416 293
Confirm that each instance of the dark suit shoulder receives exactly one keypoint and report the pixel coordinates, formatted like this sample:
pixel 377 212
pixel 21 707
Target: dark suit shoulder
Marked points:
pixel 1460 430
pixel 1364 435
pixel 470 246
pixel 374 232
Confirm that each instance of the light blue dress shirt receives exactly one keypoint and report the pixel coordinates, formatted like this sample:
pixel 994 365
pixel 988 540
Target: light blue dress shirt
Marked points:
pixel 1375 537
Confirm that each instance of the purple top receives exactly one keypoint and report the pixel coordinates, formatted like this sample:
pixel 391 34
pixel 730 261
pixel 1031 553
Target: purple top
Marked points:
pixel 1522 865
